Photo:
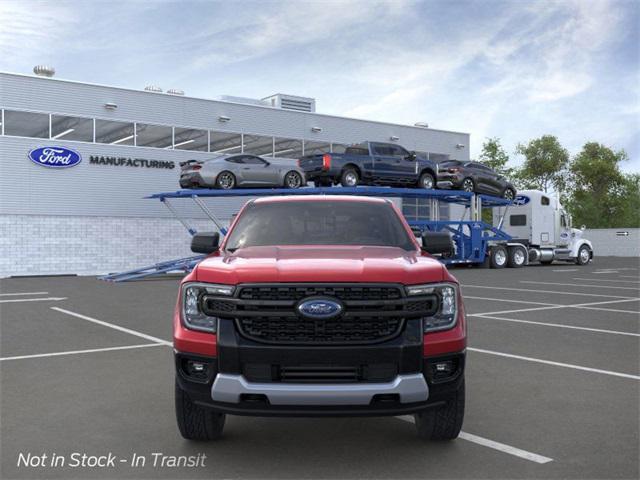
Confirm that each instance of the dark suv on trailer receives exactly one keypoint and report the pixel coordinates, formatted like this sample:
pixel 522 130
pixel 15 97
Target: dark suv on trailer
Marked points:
pixel 319 306
pixel 474 177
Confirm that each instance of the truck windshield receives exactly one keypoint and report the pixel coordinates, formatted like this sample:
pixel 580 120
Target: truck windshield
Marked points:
pixel 319 223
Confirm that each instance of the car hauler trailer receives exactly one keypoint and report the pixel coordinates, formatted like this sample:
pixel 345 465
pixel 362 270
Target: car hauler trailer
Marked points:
pixel 475 241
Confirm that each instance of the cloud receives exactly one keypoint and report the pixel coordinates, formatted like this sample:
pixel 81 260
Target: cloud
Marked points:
pixel 283 25
pixel 28 28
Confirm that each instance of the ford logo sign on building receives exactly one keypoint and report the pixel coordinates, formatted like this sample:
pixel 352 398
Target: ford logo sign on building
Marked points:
pixel 319 308
pixel 55 157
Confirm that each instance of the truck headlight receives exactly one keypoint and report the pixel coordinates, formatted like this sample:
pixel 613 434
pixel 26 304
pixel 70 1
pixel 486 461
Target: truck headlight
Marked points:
pixel 192 314
pixel 447 313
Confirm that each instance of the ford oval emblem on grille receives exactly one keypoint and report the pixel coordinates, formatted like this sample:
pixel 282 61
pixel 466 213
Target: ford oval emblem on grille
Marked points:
pixel 319 308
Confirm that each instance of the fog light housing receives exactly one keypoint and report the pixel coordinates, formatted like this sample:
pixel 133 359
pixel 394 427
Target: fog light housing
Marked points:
pixel 442 369
pixel 195 369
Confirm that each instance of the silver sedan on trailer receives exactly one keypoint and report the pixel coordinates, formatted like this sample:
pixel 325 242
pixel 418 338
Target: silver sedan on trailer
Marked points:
pixel 241 170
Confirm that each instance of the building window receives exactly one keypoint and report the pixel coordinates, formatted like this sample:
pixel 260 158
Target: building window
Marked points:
pixel 157 136
pixel 258 145
pixel 71 128
pixel 225 143
pixel 287 148
pixel 416 208
pixel 114 133
pixel 313 148
pixel 191 139
pixel 26 124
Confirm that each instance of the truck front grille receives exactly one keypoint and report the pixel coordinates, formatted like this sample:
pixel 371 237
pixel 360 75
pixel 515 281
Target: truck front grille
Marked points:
pixel 297 330
pixel 267 313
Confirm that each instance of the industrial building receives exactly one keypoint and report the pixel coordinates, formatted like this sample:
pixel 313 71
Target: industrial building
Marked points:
pixel 93 218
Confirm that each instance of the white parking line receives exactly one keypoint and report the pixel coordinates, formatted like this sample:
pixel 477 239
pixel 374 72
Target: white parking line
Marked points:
pixel 77 352
pixel 23 293
pixel 501 447
pixel 558 325
pixel 20 300
pixel 529 290
pixel 587 306
pixel 115 327
pixel 529 302
pixel 628 276
pixel 567 270
pixel 581 285
pixel 604 280
pixel 555 364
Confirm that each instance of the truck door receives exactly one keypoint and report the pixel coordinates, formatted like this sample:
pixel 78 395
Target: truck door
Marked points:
pixel 405 165
pixel 256 170
pixel 383 161
pixel 565 230
pixel 547 226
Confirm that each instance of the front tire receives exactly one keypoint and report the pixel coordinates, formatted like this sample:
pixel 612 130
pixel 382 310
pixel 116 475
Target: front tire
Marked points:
pixel 196 422
pixel 292 180
pixel 349 178
pixel 226 180
pixel 442 423
pixel 584 255
pixel 427 181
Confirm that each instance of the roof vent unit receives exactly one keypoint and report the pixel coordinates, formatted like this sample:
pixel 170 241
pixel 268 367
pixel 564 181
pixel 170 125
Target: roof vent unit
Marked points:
pixel 153 88
pixel 175 91
pixel 44 71
pixel 291 102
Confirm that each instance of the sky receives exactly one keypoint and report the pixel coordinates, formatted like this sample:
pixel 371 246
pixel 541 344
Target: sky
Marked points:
pixel 515 70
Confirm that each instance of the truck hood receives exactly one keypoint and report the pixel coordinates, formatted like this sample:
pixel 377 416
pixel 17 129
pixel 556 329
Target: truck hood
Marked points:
pixel 320 264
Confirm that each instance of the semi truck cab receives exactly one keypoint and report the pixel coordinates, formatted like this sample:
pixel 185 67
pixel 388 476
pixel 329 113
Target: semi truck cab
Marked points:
pixel 539 223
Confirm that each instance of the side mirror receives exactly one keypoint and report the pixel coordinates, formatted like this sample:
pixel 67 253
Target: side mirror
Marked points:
pixel 411 156
pixel 206 242
pixel 437 243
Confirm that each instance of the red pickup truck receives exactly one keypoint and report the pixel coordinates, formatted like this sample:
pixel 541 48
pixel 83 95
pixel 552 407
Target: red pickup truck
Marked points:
pixel 319 306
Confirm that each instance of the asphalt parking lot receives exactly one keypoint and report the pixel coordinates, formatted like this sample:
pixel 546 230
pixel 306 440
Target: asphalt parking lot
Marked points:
pixel 552 386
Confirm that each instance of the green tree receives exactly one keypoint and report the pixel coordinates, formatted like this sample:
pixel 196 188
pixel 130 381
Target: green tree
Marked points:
pixel 494 156
pixel 545 164
pixel 600 195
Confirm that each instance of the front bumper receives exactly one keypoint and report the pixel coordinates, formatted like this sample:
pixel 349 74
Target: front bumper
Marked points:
pixel 406 388
pixel 406 394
